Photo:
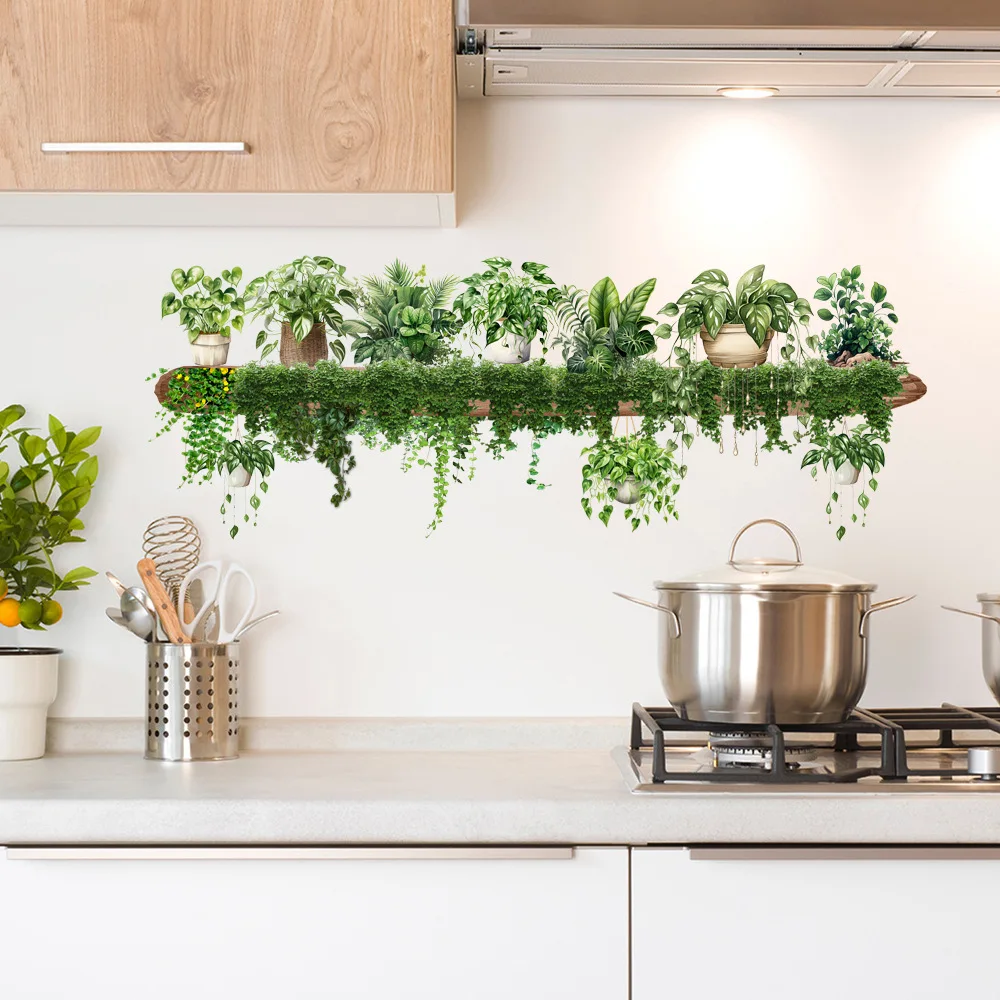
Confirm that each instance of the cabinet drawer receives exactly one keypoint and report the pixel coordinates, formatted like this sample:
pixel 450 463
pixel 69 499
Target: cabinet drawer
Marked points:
pixel 326 922
pixel 783 924
pixel 310 96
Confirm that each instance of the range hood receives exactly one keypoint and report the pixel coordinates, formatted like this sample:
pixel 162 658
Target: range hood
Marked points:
pixel 697 48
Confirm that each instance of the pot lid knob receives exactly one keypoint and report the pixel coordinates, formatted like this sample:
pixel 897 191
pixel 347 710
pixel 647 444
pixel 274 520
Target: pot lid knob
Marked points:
pixel 764 565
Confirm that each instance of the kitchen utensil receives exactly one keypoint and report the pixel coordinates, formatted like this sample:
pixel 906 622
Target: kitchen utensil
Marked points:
pixel 253 623
pixel 139 614
pixel 161 599
pixel 174 545
pixel 115 615
pixel 990 614
pixel 192 710
pixel 116 583
pixel 217 582
pixel 765 640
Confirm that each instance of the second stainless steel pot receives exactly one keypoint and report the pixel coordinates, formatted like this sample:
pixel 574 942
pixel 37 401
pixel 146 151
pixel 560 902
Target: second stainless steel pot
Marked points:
pixel 990 604
pixel 765 640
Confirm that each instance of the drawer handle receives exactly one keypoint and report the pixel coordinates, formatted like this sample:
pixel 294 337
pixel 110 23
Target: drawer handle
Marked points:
pixel 874 853
pixel 289 853
pixel 145 147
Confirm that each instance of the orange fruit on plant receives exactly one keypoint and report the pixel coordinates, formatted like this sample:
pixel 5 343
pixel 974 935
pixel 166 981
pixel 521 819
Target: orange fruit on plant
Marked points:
pixel 30 611
pixel 9 612
pixel 51 612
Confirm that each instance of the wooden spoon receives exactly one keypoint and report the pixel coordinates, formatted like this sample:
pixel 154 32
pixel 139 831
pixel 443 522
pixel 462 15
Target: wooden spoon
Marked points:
pixel 164 606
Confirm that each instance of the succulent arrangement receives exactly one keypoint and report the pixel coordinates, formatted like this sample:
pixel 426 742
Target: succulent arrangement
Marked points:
pixel 41 499
pixel 411 386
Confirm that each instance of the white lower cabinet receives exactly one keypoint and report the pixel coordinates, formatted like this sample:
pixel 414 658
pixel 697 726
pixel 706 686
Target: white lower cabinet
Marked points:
pixel 298 924
pixel 785 924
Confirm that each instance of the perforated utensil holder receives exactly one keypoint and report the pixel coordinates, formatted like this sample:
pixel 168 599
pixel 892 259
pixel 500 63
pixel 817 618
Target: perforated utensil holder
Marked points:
pixel 192 708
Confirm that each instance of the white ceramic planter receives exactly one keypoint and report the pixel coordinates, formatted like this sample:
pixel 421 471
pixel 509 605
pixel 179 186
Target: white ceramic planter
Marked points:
pixel 509 351
pixel 846 475
pixel 28 681
pixel 733 347
pixel 210 349
pixel 628 492
pixel 239 477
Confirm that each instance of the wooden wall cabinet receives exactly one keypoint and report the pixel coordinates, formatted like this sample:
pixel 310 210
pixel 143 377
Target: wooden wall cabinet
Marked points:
pixel 328 96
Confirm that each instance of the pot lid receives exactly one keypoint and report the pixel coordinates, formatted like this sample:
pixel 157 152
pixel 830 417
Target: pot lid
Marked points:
pixel 769 574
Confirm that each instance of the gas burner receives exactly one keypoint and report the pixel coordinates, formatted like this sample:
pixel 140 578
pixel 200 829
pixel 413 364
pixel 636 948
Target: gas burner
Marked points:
pixel 735 749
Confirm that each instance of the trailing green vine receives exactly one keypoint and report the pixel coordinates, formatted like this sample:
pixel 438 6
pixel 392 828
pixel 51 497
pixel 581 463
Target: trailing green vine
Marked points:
pixel 440 416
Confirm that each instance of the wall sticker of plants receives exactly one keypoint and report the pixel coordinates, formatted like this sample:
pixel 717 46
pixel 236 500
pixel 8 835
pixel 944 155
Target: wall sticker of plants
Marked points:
pixel 422 378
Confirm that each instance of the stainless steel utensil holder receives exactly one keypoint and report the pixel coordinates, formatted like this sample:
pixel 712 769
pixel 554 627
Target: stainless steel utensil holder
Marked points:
pixel 192 708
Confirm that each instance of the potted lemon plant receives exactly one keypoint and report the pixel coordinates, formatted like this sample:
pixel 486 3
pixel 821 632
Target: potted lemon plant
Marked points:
pixel 40 505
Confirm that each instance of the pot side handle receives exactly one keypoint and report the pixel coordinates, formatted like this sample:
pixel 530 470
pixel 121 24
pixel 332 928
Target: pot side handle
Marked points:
pixel 669 612
pixel 972 614
pixel 881 606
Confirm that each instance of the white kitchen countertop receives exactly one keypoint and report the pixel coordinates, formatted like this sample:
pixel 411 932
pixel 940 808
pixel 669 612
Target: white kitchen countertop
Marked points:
pixel 457 795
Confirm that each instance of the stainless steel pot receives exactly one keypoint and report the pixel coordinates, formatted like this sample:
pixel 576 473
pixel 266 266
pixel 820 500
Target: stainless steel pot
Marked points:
pixel 990 603
pixel 765 640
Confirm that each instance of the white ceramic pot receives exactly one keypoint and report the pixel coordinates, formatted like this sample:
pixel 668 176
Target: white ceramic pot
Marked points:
pixel 846 475
pixel 733 347
pixel 28 681
pixel 509 351
pixel 210 349
pixel 628 492
pixel 239 477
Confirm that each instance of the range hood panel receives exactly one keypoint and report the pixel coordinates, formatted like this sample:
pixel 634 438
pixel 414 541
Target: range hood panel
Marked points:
pixel 698 38
pixel 927 15
pixel 614 73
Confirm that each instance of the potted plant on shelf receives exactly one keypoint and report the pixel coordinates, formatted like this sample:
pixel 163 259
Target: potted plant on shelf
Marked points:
pixel 600 331
pixel 40 505
pixel 634 470
pixel 509 310
pixel 845 455
pixel 208 308
pixel 736 327
pixel 304 298
pixel 862 326
pixel 401 317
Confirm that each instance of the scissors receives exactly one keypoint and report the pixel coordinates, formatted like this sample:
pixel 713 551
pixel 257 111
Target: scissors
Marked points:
pixel 217 600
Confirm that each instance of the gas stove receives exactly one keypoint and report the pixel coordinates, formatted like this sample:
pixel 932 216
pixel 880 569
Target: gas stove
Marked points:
pixel 882 747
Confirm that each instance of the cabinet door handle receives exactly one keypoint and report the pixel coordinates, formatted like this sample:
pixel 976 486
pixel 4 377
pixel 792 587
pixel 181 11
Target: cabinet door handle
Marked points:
pixel 145 147
pixel 289 853
pixel 924 852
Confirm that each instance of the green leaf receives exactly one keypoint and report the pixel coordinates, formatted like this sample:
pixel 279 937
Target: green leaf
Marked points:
pixel 878 292
pixel 713 276
pixel 856 271
pixel 823 294
pixel 748 281
pixel 841 531
pixel 634 303
pixel 824 314
pixel 756 317
pixel 80 573
pixel 178 278
pixel 86 438
pixel 602 300
pixel 634 342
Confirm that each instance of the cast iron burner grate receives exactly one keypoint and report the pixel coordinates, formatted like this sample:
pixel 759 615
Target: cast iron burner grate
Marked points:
pixel 885 729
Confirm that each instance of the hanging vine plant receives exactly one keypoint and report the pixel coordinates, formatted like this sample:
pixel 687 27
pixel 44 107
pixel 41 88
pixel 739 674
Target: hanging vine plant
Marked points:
pixel 441 415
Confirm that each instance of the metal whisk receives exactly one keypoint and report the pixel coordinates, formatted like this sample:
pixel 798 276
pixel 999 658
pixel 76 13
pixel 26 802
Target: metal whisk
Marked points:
pixel 174 545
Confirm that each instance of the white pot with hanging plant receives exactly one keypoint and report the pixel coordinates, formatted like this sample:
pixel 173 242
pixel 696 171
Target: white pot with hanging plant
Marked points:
pixel 240 462
pixel 736 327
pixel 208 308
pixel 510 310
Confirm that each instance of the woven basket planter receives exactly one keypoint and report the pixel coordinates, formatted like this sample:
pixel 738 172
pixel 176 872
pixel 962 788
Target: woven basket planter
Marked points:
pixel 303 352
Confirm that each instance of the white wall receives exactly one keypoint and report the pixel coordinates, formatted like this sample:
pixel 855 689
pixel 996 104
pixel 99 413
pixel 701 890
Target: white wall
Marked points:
pixel 507 609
